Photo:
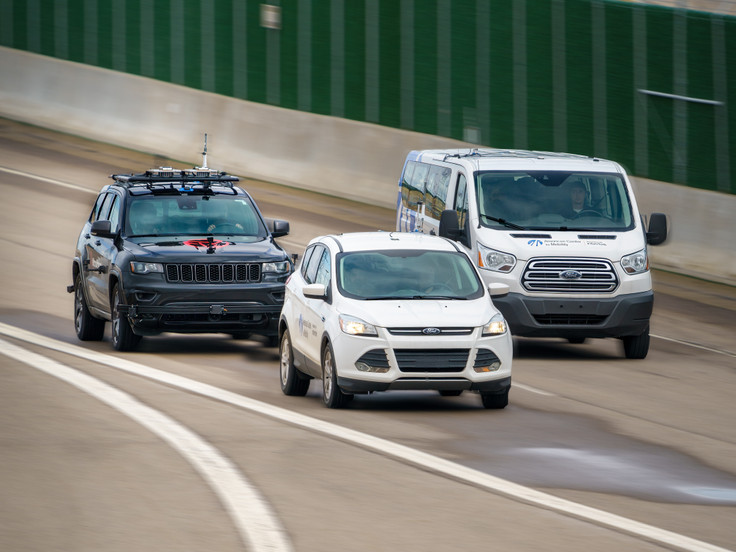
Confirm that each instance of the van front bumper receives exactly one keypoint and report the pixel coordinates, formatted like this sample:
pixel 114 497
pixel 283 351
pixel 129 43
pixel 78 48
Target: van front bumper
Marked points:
pixel 576 318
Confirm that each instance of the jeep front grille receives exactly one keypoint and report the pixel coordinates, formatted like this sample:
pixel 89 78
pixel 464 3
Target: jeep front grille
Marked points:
pixel 214 273
pixel 570 275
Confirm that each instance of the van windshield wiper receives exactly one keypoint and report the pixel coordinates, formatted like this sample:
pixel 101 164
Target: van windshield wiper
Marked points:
pixel 506 223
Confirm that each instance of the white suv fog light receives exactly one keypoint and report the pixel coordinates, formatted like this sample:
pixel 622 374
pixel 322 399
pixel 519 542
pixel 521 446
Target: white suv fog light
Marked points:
pixel 489 368
pixel 365 367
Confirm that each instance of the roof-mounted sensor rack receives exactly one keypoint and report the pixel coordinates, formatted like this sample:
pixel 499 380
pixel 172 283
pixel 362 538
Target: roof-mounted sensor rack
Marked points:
pixel 168 175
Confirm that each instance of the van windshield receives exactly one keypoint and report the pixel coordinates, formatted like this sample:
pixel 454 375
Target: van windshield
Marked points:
pixel 553 200
pixel 407 274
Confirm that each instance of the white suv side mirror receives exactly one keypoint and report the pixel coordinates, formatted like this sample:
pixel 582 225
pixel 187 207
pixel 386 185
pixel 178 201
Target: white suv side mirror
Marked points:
pixel 497 289
pixel 318 291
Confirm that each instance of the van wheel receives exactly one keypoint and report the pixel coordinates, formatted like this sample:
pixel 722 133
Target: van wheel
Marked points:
pixel 332 395
pixel 293 382
pixel 636 346
pixel 123 338
pixel 495 401
pixel 88 327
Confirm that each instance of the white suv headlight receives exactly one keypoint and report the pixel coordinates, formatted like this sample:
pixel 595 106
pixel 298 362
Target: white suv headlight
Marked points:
pixel 635 263
pixel 139 267
pixel 356 326
pixel 498 261
pixel 496 326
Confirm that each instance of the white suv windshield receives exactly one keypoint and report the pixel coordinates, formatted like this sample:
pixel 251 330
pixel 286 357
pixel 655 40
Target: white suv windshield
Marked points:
pixel 553 200
pixel 407 274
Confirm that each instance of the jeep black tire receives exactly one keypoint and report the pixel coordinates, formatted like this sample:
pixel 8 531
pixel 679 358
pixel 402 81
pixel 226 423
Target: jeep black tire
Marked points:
pixel 123 338
pixel 88 327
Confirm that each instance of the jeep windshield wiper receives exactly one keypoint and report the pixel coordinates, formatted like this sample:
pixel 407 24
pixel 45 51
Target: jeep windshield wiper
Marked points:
pixel 506 223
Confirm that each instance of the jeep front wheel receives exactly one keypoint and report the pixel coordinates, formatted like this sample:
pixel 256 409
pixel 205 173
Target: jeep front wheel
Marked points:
pixel 88 327
pixel 123 338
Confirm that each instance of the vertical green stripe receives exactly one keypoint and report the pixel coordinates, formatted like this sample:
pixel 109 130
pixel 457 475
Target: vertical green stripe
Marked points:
pixel 600 107
pixel 521 120
pixel 304 69
pixel 372 63
pixel 639 100
pixel 720 88
pixel 444 68
pixel 118 31
pixel 559 76
pixel 33 24
pixel 240 47
pixel 61 29
pixel 482 62
pixel 407 66
pixel 208 60
pixel 177 35
pixel 337 58
pixel 148 49
pixel 680 87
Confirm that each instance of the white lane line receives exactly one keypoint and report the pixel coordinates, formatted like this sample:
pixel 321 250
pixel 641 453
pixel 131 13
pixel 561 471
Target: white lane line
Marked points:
pixel 258 526
pixel 48 180
pixel 703 347
pixel 533 389
pixel 382 446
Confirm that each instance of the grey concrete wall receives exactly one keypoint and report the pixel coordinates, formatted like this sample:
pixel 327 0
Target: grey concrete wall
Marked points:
pixel 330 155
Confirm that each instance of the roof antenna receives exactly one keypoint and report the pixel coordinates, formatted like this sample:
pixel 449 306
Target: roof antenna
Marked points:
pixel 204 153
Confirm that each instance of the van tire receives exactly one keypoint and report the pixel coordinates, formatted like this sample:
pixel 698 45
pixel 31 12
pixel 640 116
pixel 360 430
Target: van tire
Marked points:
pixel 636 346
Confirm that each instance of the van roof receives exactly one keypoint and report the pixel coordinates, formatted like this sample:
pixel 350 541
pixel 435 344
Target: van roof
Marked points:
pixel 503 159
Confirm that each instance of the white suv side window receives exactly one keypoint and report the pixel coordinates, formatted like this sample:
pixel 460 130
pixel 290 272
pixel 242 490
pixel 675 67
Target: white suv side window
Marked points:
pixel 323 269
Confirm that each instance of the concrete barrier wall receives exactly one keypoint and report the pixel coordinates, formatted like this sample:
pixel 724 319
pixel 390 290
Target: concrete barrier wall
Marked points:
pixel 330 155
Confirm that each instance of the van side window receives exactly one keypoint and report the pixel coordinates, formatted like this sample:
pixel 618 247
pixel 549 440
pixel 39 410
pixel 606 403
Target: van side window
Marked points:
pixel 461 199
pixel 406 182
pixel 417 185
pixel 438 181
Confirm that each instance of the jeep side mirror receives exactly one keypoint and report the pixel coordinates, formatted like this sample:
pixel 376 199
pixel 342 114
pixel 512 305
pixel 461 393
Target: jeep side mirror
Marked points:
pixel 101 228
pixel 657 231
pixel 277 227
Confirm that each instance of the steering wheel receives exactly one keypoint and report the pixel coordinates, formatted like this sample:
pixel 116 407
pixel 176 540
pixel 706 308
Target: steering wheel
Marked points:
pixel 225 226
pixel 590 213
pixel 440 289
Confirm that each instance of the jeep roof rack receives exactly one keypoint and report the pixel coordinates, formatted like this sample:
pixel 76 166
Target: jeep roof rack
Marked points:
pixel 170 175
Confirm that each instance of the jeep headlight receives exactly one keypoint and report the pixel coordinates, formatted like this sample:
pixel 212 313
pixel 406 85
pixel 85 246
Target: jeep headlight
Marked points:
pixel 496 326
pixel 280 267
pixel 140 267
pixel 636 263
pixel 498 261
pixel 356 326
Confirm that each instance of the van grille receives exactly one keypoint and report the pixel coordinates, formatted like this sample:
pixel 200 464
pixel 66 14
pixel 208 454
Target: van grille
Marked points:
pixel 570 275
pixel 213 273
pixel 431 360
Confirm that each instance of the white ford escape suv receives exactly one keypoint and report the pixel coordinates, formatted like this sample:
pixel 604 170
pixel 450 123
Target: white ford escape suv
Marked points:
pixel 379 311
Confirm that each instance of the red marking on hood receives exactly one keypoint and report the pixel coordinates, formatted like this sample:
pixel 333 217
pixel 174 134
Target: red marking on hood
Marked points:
pixel 206 243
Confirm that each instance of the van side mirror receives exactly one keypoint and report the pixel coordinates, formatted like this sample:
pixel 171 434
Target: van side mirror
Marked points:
pixel 449 226
pixel 657 231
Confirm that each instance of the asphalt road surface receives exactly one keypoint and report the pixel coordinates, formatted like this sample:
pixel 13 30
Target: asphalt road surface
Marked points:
pixel 189 444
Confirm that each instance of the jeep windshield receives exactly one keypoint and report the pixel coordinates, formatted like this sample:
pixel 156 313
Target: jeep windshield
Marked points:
pixel 176 215
pixel 407 274
pixel 553 200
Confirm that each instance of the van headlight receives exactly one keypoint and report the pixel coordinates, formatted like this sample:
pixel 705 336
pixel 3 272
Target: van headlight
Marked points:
pixel 356 326
pixel 139 267
pixel 496 326
pixel 498 261
pixel 636 263
pixel 281 267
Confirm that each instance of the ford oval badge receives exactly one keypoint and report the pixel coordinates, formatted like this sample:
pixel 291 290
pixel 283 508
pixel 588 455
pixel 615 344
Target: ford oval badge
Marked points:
pixel 570 275
pixel 431 331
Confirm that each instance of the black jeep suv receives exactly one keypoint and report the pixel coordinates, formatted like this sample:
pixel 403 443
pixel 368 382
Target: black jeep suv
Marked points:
pixel 177 250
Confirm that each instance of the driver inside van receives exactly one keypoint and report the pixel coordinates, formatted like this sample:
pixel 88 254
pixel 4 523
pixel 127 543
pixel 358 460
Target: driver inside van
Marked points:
pixel 576 205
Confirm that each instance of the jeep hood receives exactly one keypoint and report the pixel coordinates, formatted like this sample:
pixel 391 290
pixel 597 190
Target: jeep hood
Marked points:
pixel 166 249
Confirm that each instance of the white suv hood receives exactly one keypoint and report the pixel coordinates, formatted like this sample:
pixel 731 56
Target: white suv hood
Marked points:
pixel 420 313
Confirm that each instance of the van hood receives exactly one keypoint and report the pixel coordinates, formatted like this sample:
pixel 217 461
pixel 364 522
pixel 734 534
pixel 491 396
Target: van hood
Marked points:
pixel 528 244
pixel 421 313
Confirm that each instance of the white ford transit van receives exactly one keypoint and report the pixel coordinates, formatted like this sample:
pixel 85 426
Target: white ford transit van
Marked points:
pixel 562 231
